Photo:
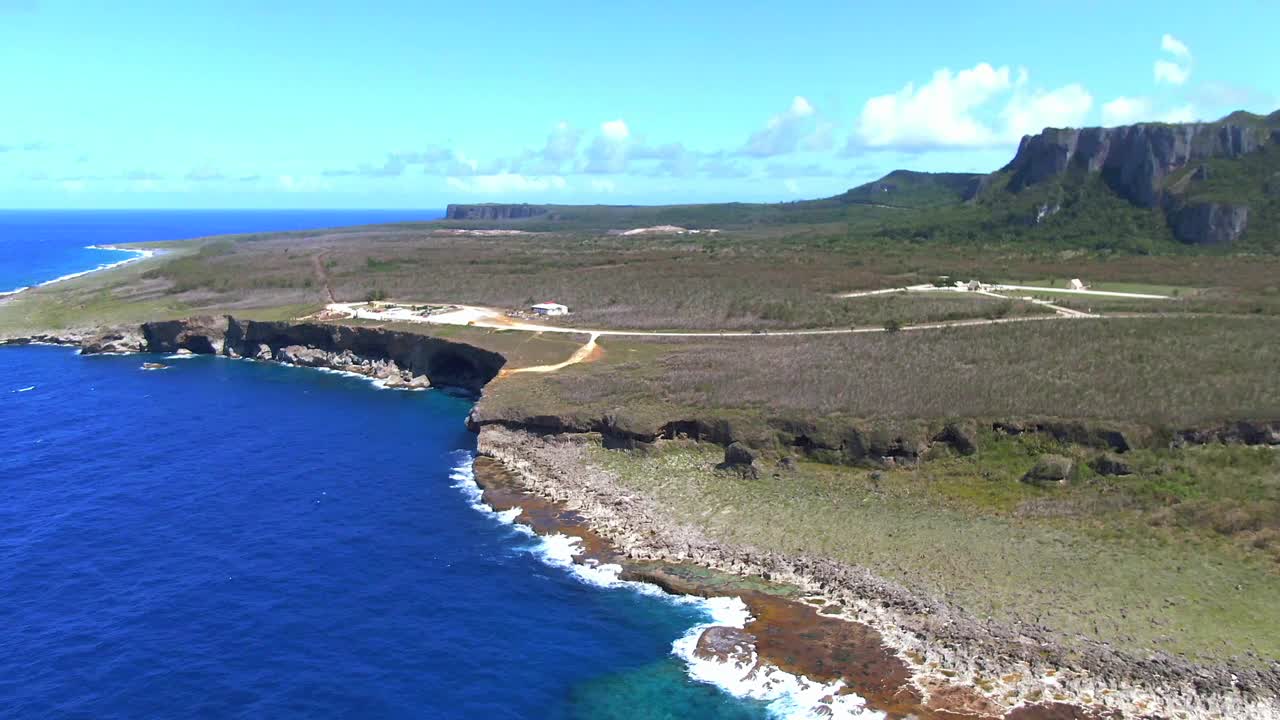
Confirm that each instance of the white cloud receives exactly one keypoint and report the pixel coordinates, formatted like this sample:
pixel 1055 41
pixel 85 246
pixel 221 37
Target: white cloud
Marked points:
pixel 501 183
pixel 1178 70
pixel 1125 110
pixel 1129 110
pixel 562 144
pixel 1184 114
pixel 791 129
pixel 961 110
pixel 1029 113
pixel 603 185
pixel 1172 73
pixel 792 186
pixel 615 130
pixel 1173 45
pixel 73 185
pixel 610 151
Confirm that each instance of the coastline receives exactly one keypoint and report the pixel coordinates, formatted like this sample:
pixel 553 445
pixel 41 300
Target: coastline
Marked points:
pixel 137 255
pixel 958 666
pixel 916 656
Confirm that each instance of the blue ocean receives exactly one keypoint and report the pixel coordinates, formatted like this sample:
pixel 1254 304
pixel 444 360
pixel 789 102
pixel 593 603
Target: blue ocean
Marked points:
pixel 232 539
pixel 41 245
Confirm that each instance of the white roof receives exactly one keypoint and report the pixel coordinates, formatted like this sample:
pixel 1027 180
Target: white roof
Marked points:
pixel 550 306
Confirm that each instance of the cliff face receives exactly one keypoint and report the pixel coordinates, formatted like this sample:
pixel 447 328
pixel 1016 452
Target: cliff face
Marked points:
pixel 397 356
pixel 491 211
pixel 1136 162
pixel 1210 223
pixel 863 442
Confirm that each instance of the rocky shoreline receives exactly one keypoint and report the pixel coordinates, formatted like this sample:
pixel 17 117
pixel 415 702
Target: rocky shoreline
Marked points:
pixel 955 665
pixel 1012 670
pixel 394 359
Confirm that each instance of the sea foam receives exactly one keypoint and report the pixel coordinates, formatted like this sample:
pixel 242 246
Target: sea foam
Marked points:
pixel 787 696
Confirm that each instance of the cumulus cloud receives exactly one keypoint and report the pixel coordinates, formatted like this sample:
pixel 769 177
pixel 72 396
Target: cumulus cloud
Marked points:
pixel 434 160
pixel 1030 112
pixel 1178 70
pixel 609 153
pixel 1183 114
pixel 1129 110
pixel 562 144
pixel 1125 110
pixel 560 148
pixel 1174 46
pixel 502 183
pixel 785 132
pixel 983 106
pixel 936 114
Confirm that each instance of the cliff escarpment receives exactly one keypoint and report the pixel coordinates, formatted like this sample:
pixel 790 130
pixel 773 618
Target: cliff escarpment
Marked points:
pixel 493 211
pixel 866 442
pixel 1157 166
pixel 397 358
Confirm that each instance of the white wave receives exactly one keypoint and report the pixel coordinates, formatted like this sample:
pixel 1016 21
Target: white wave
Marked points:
pixel 25 389
pixel 788 697
pixel 136 256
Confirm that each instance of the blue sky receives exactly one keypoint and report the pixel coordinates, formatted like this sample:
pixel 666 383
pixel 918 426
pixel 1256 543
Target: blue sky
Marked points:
pixel 242 103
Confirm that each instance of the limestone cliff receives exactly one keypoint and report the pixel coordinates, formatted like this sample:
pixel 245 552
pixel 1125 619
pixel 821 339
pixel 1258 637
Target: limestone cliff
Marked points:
pixel 493 211
pixel 1134 160
pixel 1139 162
pixel 399 356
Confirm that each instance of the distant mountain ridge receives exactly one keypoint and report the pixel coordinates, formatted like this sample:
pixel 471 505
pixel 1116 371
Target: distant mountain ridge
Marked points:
pixel 1148 187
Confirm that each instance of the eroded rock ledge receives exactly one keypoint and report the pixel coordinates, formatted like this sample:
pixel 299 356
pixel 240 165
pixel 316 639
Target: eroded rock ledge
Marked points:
pixel 398 358
pixel 928 630
pixel 868 442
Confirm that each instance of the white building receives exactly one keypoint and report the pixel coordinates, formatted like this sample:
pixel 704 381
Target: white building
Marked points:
pixel 1077 284
pixel 549 308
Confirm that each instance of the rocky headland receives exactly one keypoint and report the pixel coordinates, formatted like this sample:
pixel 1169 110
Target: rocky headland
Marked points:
pixel 395 358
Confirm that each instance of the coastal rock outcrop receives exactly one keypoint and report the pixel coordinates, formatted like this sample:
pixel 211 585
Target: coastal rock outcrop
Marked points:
pixel 112 341
pixel 401 358
pixel 727 645
pixel 1110 464
pixel 1050 470
pixel 493 211
pixel 740 459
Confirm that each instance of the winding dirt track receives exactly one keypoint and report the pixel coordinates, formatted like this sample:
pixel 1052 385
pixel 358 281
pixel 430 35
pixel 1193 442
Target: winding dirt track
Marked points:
pixel 489 318
pixel 317 262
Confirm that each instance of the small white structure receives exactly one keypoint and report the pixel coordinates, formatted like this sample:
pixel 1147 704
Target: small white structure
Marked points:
pixel 1076 284
pixel 549 309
